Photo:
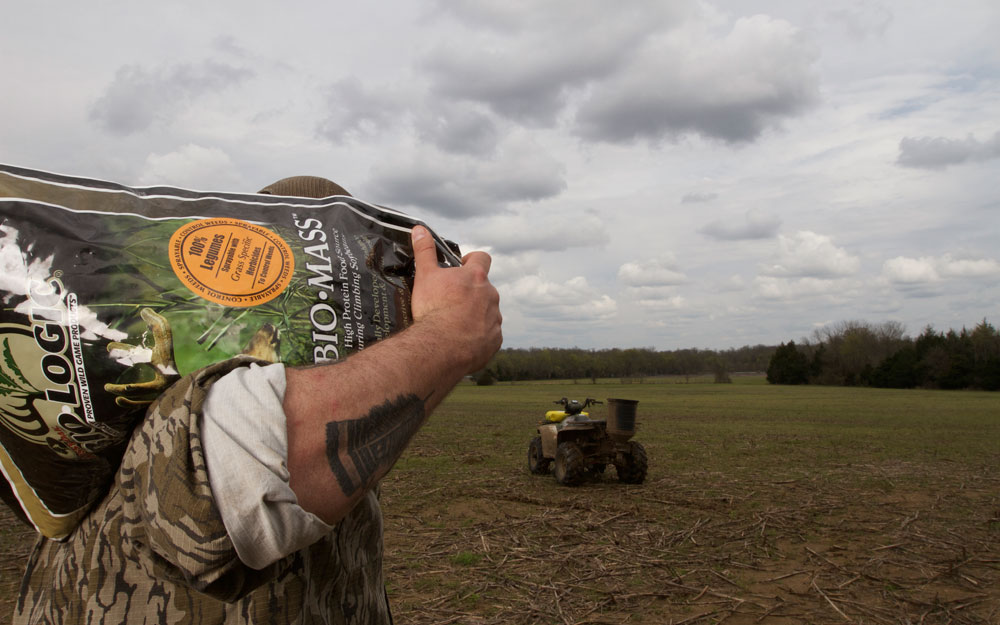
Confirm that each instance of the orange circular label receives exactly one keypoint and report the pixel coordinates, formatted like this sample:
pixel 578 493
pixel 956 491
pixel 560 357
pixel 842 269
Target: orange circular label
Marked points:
pixel 231 262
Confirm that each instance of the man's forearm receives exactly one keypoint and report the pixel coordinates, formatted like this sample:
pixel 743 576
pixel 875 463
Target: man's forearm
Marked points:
pixel 349 422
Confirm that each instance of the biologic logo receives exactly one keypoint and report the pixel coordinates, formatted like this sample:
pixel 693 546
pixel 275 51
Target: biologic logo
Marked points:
pixel 43 388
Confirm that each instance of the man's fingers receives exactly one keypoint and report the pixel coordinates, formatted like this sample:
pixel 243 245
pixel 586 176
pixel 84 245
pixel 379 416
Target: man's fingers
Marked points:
pixel 478 258
pixel 425 253
pixel 424 250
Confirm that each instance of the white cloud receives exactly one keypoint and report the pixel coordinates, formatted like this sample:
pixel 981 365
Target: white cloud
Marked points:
pixel 671 303
pixel 903 270
pixel 507 268
pixel 571 301
pixel 192 166
pixel 784 289
pixel 969 267
pixel 539 228
pixel 928 270
pixel 656 298
pixel 806 254
pixel 651 272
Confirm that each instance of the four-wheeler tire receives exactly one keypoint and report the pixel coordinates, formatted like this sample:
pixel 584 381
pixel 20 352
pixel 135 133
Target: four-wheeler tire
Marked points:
pixel 596 470
pixel 538 464
pixel 569 464
pixel 632 464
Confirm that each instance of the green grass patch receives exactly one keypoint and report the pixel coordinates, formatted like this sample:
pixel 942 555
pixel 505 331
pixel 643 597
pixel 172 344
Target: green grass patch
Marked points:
pixel 466 558
pixel 690 427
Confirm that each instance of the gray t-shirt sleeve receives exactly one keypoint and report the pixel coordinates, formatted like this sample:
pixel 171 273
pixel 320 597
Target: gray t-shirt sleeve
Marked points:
pixel 246 452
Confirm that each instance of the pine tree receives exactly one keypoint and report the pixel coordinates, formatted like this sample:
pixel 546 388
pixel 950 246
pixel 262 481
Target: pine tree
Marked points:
pixel 788 366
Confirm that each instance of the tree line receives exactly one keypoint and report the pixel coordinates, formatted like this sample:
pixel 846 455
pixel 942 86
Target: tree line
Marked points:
pixel 849 353
pixel 855 353
pixel 548 363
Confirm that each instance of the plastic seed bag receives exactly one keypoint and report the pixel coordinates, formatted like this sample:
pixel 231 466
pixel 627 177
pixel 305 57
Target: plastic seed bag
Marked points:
pixel 110 294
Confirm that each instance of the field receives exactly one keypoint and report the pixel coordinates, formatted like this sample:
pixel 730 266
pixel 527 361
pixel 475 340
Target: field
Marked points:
pixel 763 504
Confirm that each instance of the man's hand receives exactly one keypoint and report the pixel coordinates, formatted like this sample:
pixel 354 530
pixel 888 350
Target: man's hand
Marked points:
pixel 460 301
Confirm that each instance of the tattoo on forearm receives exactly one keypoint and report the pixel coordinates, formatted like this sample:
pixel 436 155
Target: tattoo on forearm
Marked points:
pixel 356 449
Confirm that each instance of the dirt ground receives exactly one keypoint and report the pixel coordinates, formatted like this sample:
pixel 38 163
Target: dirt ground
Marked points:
pixel 862 544
pixel 900 544
pixel 16 540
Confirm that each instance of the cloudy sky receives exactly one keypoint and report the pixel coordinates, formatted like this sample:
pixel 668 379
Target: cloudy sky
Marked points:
pixel 661 173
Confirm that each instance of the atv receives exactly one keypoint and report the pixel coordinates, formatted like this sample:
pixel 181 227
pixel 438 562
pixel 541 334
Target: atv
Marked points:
pixel 581 447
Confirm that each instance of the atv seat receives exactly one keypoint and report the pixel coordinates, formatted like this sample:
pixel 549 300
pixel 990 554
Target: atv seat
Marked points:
pixel 580 421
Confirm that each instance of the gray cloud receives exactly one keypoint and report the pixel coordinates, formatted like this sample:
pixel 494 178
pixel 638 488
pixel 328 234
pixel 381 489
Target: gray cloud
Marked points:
pixel 940 152
pixel 457 187
pixel 524 60
pixel 139 97
pixel 756 225
pixel 459 130
pixel 637 65
pixel 431 189
pixel 354 110
pixel 747 81
pixel 698 198
pixel 531 97
pixel 227 44
pixel 862 20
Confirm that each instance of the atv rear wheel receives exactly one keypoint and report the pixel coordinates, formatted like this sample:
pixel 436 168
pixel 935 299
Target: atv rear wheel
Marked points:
pixel 632 465
pixel 569 464
pixel 538 464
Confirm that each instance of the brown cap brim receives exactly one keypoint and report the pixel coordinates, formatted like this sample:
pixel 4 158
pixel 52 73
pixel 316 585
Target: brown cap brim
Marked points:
pixel 304 186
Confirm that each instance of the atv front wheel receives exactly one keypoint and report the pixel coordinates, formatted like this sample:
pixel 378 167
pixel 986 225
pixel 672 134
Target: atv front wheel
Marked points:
pixel 538 464
pixel 569 464
pixel 632 465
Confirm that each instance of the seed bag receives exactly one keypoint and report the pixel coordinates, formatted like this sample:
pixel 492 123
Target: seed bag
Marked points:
pixel 110 294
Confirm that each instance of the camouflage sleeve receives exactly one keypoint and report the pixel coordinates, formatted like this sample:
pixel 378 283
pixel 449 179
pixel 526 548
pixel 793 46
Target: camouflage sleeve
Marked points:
pixel 167 499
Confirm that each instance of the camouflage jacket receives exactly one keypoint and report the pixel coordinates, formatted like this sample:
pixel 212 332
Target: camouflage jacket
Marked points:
pixel 155 549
